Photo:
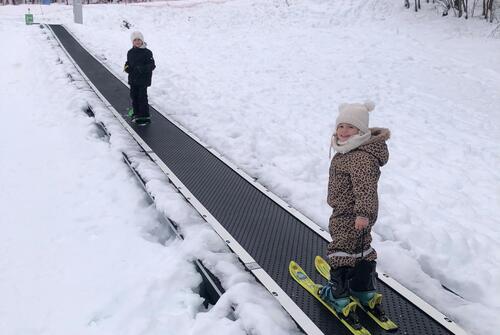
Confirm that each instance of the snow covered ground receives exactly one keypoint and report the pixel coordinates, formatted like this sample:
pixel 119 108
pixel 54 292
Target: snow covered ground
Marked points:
pixel 260 81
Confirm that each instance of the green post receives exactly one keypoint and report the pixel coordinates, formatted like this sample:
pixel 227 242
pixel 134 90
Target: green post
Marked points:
pixel 28 18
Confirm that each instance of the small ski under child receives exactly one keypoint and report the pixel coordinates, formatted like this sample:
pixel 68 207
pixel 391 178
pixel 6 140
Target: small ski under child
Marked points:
pixel 139 66
pixel 352 193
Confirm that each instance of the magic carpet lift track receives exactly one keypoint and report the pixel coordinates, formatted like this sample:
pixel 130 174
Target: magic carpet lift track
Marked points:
pixel 210 289
pixel 240 209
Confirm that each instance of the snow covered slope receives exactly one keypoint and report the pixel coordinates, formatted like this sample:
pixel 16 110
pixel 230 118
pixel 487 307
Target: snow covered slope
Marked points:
pixel 260 81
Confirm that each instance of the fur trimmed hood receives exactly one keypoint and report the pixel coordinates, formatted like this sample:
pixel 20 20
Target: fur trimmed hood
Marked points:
pixel 376 145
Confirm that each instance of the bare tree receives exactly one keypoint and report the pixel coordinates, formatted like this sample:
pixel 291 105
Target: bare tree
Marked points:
pixel 417 4
pixel 460 8
pixel 488 9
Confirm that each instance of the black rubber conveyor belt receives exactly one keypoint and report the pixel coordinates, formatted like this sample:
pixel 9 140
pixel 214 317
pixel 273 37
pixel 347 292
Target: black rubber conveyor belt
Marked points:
pixel 270 234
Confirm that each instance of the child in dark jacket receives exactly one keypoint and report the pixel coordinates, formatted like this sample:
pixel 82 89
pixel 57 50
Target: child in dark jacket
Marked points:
pixel 139 66
pixel 352 193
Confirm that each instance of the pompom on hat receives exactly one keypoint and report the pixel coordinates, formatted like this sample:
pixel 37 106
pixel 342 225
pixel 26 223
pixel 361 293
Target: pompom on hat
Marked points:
pixel 137 35
pixel 355 114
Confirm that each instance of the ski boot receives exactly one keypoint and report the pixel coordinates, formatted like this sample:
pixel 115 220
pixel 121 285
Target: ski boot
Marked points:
pixel 372 302
pixel 362 288
pixel 141 120
pixel 336 294
pixel 338 303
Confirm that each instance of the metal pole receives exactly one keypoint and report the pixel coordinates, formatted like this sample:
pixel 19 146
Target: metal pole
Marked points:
pixel 77 11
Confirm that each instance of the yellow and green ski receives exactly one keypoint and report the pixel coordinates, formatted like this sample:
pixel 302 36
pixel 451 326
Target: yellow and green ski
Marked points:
pixel 303 279
pixel 324 269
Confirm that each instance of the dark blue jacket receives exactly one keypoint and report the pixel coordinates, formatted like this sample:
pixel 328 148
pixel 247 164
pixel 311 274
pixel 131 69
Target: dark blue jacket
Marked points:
pixel 139 66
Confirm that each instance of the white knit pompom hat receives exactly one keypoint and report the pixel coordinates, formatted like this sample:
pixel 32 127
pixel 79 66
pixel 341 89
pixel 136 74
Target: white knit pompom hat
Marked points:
pixel 355 114
pixel 137 35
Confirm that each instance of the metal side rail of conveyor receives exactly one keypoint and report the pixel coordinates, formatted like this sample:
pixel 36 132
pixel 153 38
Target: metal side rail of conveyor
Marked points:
pixel 260 228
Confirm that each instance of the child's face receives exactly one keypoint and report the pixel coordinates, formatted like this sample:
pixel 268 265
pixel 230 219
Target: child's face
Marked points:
pixel 345 131
pixel 137 43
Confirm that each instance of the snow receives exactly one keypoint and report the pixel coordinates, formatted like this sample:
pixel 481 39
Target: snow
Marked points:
pixel 83 251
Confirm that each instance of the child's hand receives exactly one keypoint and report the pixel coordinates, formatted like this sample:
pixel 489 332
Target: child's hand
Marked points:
pixel 361 223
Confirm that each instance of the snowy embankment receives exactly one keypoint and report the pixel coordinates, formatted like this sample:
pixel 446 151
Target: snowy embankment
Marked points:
pixel 260 81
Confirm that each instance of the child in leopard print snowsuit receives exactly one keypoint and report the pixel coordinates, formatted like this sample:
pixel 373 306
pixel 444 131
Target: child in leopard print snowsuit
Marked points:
pixel 352 193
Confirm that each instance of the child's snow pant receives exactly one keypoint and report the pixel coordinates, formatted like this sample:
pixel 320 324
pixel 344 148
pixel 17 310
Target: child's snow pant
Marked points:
pixel 350 249
pixel 360 278
pixel 348 245
pixel 139 96
pixel 363 276
pixel 339 282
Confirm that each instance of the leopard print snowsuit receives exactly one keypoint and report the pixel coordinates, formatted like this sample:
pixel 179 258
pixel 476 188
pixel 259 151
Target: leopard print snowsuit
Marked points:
pixel 352 192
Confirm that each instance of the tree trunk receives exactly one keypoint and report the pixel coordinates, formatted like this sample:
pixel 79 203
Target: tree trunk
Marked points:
pixel 490 9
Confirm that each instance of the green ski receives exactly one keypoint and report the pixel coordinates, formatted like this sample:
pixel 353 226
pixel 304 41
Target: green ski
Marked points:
pixel 303 279
pixel 324 269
